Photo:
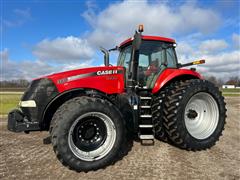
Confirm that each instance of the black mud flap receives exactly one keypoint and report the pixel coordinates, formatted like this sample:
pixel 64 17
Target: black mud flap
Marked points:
pixel 17 122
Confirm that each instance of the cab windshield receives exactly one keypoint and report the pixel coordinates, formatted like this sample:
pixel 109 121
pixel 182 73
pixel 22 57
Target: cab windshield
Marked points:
pixel 154 57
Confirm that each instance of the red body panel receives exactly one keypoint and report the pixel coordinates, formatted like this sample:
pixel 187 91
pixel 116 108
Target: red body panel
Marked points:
pixel 109 83
pixel 169 74
pixel 93 78
pixel 153 38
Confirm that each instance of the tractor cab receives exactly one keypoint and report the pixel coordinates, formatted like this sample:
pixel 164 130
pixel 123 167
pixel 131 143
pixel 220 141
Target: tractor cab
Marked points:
pixel 154 56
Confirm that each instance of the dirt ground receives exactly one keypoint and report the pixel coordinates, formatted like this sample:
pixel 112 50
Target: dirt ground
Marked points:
pixel 24 156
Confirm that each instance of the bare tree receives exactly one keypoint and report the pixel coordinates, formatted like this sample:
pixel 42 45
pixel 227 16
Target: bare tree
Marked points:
pixel 233 81
pixel 217 81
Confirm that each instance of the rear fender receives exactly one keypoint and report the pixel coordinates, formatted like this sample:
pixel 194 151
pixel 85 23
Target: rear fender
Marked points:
pixel 170 75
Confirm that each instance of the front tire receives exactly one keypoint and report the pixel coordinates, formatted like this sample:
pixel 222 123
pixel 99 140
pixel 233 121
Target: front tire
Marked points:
pixel 88 134
pixel 194 114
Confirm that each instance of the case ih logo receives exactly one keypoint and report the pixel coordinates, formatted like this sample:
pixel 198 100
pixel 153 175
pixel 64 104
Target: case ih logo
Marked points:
pixel 80 76
pixel 107 72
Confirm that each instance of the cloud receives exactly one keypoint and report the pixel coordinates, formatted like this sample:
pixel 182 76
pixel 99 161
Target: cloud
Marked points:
pixel 184 51
pixel 110 26
pixel 27 69
pixel 20 16
pixel 225 59
pixel 121 19
pixel 222 64
pixel 213 45
pixel 236 40
pixel 64 49
pixel 22 70
pixel 4 54
pixel 23 13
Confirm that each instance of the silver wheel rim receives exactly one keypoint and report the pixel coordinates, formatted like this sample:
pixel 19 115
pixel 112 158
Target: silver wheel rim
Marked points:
pixel 104 149
pixel 201 115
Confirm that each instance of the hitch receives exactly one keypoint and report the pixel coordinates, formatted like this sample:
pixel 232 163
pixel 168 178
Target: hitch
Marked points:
pixel 18 123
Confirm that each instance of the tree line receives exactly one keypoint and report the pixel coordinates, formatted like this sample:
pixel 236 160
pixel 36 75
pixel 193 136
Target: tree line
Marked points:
pixel 19 83
pixel 234 80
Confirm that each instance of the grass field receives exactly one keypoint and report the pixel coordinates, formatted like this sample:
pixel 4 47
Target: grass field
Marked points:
pixel 230 90
pixel 9 100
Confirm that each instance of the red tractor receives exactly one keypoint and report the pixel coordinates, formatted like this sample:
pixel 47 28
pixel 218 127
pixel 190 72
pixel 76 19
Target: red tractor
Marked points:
pixel 94 114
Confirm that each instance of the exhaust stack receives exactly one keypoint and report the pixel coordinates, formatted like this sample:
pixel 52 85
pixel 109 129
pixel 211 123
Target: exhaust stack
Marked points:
pixel 106 56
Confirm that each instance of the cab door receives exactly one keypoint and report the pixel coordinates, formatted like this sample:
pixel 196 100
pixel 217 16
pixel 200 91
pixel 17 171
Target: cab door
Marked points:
pixel 124 60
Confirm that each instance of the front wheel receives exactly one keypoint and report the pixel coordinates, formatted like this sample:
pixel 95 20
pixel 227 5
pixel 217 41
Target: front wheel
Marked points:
pixel 194 114
pixel 88 134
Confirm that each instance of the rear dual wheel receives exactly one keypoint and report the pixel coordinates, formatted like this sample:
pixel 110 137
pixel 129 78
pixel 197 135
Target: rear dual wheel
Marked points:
pixel 89 133
pixel 194 114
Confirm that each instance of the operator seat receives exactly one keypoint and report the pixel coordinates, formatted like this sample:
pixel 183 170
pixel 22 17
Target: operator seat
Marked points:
pixel 151 79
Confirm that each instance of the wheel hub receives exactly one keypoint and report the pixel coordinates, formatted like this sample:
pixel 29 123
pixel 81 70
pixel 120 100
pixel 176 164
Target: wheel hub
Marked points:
pixel 192 114
pixel 201 115
pixel 89 134
pixel 92 136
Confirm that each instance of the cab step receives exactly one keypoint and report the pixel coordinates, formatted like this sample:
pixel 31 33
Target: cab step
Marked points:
pixel 146 132
pixel 146 116
pixel 147 140
pixel 145 97
pixel 145 107
pixel 145 125
pixel 145 137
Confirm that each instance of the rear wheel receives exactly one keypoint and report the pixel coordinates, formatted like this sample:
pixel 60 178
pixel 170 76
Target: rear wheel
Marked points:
pixel 88 134
pixel 194 114
pixel 157 114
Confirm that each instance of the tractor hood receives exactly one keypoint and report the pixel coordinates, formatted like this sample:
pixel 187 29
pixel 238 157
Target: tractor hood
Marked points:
pixel 108 79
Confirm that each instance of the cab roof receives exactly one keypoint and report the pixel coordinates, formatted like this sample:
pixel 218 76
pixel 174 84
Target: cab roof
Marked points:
pixel 153 38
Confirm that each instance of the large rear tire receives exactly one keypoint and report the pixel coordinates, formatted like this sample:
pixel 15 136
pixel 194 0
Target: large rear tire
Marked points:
pixel 88 134
pixel 194 114
pixel 157 114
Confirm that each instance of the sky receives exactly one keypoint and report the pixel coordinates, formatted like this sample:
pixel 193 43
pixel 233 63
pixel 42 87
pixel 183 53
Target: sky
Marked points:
pixel 44 37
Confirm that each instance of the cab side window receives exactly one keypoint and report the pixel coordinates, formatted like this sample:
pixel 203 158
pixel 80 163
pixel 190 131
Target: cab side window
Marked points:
pixel 125 57
pixel 124 60
pixel 143 60
pixel 158 56
pixel 171 58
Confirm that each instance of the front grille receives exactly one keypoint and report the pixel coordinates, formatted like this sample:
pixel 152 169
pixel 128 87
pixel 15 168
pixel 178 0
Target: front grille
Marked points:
pixel 42 91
